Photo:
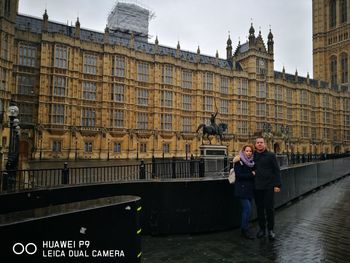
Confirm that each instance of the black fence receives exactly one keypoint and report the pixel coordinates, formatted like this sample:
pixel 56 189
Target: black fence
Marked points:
pixel 155 170
pixel 160 169
pixel 295 158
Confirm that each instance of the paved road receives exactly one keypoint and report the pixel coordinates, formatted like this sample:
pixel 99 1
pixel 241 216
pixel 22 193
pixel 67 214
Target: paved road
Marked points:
pixel 313 229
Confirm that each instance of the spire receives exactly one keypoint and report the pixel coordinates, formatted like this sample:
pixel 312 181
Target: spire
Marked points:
pixel 296 75
pixel 198 55
pixel 77 28
pixel 45 25
pixel 77 23
pixel 217 54
pixel 178 49
pixel 270 36
pixel 270 43
pixel 45 15
pixel 251 30
pixel 229 41
pixel 132 40
pixel 251 35
pixel 156 42
pixel 229 48
pixel 106 36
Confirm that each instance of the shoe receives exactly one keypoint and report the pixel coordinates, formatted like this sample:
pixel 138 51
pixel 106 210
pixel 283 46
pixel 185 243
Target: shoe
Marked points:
pixel 247 234
pixel 272 235
pixel 261 233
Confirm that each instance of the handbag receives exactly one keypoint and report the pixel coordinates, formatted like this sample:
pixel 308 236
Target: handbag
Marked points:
pixel 232 176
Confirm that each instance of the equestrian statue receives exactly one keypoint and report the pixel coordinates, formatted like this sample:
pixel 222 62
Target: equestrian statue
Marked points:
pixel 213 128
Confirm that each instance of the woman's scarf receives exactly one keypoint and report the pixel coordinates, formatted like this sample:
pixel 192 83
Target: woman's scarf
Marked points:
pixel 248 161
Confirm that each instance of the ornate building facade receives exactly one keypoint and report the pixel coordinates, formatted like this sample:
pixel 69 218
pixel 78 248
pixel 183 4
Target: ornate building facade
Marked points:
pixel 331 40
pixel 89 95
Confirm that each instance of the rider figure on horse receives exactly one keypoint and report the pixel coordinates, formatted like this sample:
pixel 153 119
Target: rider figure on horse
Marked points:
pixel 212 122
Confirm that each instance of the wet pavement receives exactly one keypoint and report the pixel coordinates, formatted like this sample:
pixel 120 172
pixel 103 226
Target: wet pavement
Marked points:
pixel 315 228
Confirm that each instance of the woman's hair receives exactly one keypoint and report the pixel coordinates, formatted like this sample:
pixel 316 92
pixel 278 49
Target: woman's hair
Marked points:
pixel 248 145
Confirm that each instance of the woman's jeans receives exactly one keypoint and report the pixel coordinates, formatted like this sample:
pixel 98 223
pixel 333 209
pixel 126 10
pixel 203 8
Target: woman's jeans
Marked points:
pixel 246 205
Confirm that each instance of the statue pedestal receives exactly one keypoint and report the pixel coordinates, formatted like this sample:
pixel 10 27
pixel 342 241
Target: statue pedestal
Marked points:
pixel 214 159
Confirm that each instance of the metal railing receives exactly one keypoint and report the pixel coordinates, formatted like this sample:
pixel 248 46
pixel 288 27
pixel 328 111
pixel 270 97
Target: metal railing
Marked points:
pixel 18 180
pixel 160 169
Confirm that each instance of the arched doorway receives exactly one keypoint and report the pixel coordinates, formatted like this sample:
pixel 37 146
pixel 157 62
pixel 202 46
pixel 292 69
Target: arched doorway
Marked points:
pixel 276 148
pixel 337 149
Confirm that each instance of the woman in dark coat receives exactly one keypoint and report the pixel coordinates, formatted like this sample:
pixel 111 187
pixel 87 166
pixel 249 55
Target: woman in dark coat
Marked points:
pixel 244 186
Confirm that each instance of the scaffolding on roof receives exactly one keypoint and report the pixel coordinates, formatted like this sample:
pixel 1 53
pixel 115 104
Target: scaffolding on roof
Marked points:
pixel 129 17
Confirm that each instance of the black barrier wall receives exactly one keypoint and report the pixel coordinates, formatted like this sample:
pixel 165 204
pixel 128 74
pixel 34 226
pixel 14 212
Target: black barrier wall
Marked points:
pixel 184 205
pixel 98 230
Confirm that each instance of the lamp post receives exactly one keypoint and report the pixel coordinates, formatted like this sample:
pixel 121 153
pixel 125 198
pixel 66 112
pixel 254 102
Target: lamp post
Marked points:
pixel 108 150
pixel 267 131
pixel 187 149
pixel 12 159
pixel 285 136
pixel 137 151
pixel 76 148
pixel 41 144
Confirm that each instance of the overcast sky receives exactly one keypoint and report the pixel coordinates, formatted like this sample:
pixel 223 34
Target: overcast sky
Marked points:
pixel 206 23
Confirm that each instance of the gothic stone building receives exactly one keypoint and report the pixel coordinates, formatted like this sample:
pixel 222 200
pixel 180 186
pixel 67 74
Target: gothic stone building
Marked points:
pixel 331 44
pixel 84 94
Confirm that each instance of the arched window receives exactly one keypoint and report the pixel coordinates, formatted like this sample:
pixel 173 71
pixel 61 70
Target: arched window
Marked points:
pixel 332 13
pixel 344 67
pixel 333 70
pixel 343 11
pixel 7 7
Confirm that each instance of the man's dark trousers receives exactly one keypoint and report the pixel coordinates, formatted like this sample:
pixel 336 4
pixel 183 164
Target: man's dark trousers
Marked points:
pixel 264 200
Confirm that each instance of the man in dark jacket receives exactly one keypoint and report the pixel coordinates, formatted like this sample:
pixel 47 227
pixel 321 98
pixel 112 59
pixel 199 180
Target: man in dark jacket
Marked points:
pixel 267 182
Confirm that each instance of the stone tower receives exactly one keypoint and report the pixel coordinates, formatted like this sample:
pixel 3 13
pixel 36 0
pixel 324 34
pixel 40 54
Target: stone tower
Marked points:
pixel 331 40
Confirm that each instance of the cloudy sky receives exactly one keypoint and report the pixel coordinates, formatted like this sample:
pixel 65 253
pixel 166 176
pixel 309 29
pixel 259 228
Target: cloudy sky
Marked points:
pixel 205 23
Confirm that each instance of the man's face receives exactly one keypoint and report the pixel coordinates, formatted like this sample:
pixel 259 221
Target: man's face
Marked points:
pixel 260 144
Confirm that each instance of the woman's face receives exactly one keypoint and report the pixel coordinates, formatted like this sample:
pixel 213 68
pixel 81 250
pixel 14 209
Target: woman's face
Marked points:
pixel 248 152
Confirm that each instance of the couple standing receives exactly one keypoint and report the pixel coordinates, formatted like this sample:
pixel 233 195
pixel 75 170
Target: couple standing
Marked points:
pixel 257 176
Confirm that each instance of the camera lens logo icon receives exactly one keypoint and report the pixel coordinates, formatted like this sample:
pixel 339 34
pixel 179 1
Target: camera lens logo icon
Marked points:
pixel 20 248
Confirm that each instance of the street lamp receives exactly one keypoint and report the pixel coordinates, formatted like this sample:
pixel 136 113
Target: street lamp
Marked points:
pixel 267 131
pixel 76 148
pixel 285 136
pixel 12 159
pixel 41 144
pixel 187 149
pixel 108 150
pixel 137 151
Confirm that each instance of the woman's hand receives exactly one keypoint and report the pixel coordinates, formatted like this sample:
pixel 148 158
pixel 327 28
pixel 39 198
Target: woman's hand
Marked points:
pixel 253 172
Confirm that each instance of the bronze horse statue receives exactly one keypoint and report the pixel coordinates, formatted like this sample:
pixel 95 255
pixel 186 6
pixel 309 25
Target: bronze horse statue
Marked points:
pixel 210 130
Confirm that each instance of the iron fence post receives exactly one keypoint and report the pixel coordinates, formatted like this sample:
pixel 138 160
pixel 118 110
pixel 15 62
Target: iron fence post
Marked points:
pixel 154 168
pixel 191 165
pixel 142 170
pixel 65 174
pixel 173 167
pixel 201 168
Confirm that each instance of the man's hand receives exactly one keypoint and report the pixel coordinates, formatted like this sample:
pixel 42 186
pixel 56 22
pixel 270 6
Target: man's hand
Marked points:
pixel 276 189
